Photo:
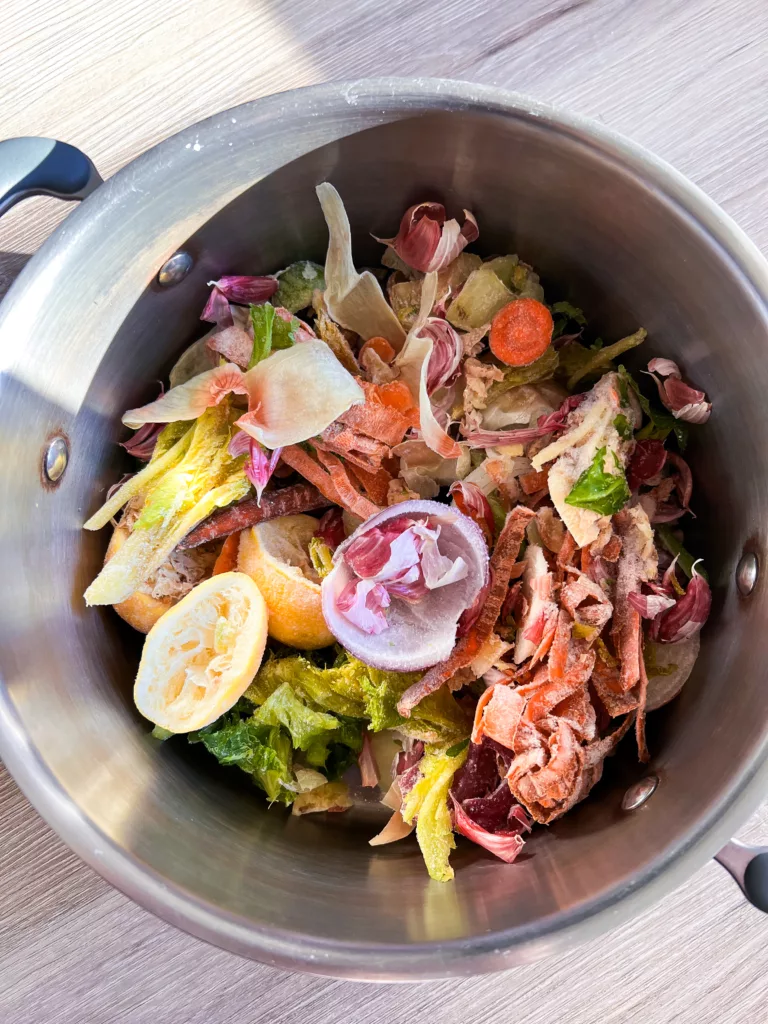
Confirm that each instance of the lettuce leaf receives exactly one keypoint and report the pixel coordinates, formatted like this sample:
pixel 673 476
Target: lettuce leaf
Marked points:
pixel 437 718
pixel 181 493
pixel 355 690
pixel 334 689
pixel 600 491
pixel 261 751
pixel 297 284
pixel 270 332
pixel 304 725
pixel 428 803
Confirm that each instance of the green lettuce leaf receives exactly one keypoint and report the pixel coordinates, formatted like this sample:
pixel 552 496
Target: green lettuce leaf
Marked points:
pixel 304 725
pixel 334 689
pixel 428 803
pixel 623 427
pixel 261 751
pixel 263 320
pixel 180 492
pixel 296 285
pixel 358 691
pixel 600 491
pixel 270 332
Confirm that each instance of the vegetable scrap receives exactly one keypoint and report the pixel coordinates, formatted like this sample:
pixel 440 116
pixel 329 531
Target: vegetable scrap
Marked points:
pixel 412 530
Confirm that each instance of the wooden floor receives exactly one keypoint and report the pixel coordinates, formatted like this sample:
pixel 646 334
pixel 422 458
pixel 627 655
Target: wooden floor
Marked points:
pixel 688 79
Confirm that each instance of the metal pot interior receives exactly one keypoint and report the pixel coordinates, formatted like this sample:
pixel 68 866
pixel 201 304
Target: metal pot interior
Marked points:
pixel 310 892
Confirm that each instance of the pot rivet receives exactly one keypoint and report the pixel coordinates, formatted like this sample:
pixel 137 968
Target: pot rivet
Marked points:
pixel 636 795
pixel 746 573
pixel 175 269
pixel 55 459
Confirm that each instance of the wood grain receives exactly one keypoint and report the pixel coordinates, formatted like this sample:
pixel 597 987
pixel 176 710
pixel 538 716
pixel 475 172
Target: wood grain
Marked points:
pixel 688 80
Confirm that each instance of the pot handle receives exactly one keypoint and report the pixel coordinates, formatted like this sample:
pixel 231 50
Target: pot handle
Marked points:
pixel 749 867
pixel 33 166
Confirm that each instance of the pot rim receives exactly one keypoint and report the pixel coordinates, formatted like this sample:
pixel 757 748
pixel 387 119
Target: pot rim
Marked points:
pixel 379 100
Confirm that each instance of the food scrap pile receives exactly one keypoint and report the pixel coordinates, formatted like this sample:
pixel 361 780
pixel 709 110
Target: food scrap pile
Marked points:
pixel 408 528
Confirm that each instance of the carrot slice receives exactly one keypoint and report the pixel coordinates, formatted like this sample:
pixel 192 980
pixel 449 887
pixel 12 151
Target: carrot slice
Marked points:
pixel 381 347
pixel 227 560
pixel 521 332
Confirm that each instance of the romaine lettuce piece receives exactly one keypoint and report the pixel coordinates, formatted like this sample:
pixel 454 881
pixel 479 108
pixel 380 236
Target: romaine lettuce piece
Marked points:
pixel 305 726
pixel 600 490
pixel 335 689
pixel 297 284
pixel 428 803
pixel 355 690
pixel 182 493
pixel 262 751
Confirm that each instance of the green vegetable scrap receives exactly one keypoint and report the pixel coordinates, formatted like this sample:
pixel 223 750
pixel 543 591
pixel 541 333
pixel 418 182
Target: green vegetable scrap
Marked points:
pixel 564 313
pixel 321 557
pixel 598 490
pixel 428 803
pixel 355 690
pixel 623 427
pixel 661 424
pixel 599 361
pixel 194 476
pixel 541 369
pixel 261 751
pixel 270 332
pixel 685 559
pixel 297 284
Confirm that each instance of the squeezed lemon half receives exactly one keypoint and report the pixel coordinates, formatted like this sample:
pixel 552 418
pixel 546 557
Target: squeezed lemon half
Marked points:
pixel 201 655
pixel 275 555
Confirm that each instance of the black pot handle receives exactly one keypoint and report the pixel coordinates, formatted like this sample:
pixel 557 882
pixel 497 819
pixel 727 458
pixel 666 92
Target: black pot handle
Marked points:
pixel 749 867
pixel 43 167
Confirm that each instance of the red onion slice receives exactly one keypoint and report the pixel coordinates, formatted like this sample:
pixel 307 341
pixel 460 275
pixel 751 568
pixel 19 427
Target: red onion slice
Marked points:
pixel 421 630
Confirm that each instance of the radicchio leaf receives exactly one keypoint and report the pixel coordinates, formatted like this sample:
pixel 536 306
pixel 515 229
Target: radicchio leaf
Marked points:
pixel 414 363
pixel 421 620
pixel 331 528
pixel 650 605
pixel 142 444
pixel 504 845
pixel 647 461
pixel 259 466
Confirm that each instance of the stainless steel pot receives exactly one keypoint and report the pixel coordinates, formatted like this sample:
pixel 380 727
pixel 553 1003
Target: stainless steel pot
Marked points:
pixel 86 330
